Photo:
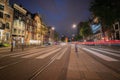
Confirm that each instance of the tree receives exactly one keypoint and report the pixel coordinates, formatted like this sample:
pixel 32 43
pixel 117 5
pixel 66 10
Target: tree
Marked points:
pixel 78 37
pixel 107 11
pixel 85 30
pixel 56 36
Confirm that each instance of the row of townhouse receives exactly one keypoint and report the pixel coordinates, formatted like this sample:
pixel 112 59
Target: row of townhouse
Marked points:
pixel 19 25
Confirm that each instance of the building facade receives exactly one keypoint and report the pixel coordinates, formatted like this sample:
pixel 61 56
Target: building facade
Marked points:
pixel 116 27
pixel 19 24
pixel 6 19
pixel 29 32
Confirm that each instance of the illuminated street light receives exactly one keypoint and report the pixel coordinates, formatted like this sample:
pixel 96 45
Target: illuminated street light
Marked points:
pixel 53 28
pixel 74 26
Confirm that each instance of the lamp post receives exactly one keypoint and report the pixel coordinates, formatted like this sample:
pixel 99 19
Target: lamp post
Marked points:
pixel 53 34
pixel 73 26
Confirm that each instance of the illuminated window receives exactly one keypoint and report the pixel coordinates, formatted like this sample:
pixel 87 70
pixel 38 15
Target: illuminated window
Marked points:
pixel 7 36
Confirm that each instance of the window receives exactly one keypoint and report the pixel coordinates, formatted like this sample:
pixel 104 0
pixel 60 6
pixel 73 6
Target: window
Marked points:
pixel 15 30
pixel 0 24
pixel 116 26
pixel 19 31
pixel 1 7
pixel 7 36
pixel 117 35
pixel 7 26
pixel 1 15
pixel 7 15
pixel 0 35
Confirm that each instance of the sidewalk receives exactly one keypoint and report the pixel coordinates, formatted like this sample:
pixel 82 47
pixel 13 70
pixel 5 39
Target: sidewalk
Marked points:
pixel 83 67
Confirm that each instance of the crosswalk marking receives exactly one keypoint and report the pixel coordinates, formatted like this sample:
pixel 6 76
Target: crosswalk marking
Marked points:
pixel 104 57
pixel 60 56
pixel 47 54
pixel 110 50
pixel 13 54
pixel 35 54
pixel 107 52
pixel 28 53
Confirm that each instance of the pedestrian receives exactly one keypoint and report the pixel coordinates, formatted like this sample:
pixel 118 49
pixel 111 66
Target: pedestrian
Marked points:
pixel 76 48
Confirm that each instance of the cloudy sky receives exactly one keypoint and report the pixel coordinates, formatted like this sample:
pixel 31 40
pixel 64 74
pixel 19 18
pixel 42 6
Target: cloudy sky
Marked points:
pixel 61 14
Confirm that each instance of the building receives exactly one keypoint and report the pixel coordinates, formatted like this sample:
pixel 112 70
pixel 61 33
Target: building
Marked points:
pixel 6 19
pixel 36 32
pixel 29 32
pixel 19 24
pixel 116 27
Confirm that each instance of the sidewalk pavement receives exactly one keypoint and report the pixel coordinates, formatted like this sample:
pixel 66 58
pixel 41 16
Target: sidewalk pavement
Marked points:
pixel 84 67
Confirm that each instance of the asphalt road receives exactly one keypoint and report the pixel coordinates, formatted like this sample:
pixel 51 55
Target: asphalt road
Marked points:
pixel 61 62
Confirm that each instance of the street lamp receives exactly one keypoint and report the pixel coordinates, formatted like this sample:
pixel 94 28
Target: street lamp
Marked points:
pixel 53 34
pixel 53 28
pixel 74 26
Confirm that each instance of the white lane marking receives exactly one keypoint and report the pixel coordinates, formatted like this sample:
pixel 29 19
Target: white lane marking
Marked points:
pixel 60 56
pixel 2 67
pixel 111 50
pixel 104 57
pixel 18 55
pixel 107 52
pixel 47 54
pixel 34 54
pixel 12 54
pixel 42 68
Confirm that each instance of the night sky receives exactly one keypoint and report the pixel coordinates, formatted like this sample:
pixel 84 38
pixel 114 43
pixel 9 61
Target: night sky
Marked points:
pixel 61 14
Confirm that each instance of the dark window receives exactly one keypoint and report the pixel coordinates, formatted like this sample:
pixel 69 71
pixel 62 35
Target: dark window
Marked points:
pixel 116 26
pixel 1 7
pixel 117 35
pixel 7 26
pixel 1 15
pixel 15 30
pixel 7 15
pixel 2 26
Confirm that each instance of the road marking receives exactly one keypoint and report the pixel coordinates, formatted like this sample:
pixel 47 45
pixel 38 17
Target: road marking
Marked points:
pixel 2 67
pixel 42 68
pixel 111 50
pixel 60 56
pixel 47 54
pixel 104 57
pixel 18 55
pixel 12 54
pixel 107 52
pixel 34 54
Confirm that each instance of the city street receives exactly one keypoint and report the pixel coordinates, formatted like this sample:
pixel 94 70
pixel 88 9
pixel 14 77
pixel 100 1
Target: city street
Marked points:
pixel 61 62
pixel 59 40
